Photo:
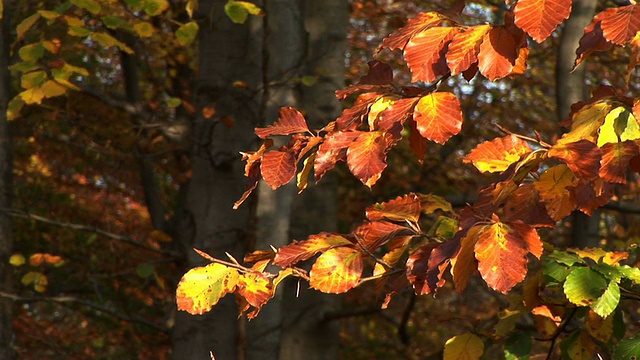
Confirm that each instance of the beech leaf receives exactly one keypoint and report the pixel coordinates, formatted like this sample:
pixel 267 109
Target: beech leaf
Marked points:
pixel 620 25
pixel 303 250
pixel 582 157
pixel 498 53
pixel 584 286
pixel 336 271
pixel 556 188
pixel 615 161
pixel 498 154
pixel 464 347
pixel 202 287
pixel 425 53
pixel 540 17
pixel 422 21
pixel 464 48
pixel 290 121
pixel 278 168
pixel 400 209
pixel 438 116
pixel 367 155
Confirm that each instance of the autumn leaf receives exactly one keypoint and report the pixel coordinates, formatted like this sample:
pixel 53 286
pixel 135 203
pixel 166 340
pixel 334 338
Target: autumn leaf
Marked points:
pixel 620 25
pixel 582 157
pixel 556 188
pixel 578 346
pixel 256 289
pixel 379 74
pixel 331 151
pixel 377 233
pixel 422 21
pixel 592 40
pixel 425 53
pixel 290 121
pixel 615 160
pixel 354 116
pixel 464 264
pixel 501 252
pixel 464 347
pixel 336 271
pixel 619 125
pixel 438 116
pixel 498 53
pixel 540 17
pixel 498 154
pixel 366 156
pixel 392 119
pixel 202 287
pixel 403 208
pixel 524 204
pixel 278 168
pixel 303 250
pixel 586 122
pixel 417 269
pixel 464 48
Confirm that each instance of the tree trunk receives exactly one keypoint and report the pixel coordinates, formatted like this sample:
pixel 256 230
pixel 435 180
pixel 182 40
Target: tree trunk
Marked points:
pixel 285 42
pixel 229 53
pixel 6 237
pixel 570 88
pixel 306 334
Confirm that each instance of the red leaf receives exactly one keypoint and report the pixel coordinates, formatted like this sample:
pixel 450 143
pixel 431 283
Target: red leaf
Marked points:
pixel 524 204
pixel 501 254
pixel 332 150
pixel 392 119
pixel 401 209
pixel 417 268
pixel 438 116
pixel 256 289
pixel 464 263
pixel 592 40
pixel 592 195
pixel 540 17
pixel 303 250
pixel 620 25
pixel 582 157
pixel 498 154
pixel 464 48
pixel 615 160
pixel 367 154
pixel 425 53
pixel 375 234
pixel 252 183
pixel 417 143
pixel 336 271
pixel 379 74
pixel 498 53
pixel 353 117
pixel 289 121
pixel 423 21
pixel 278 168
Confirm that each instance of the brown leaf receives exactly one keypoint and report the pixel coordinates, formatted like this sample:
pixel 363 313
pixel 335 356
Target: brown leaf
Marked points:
pixel 332 150
pixel 278 168
pixel 582 157
pixel 464 263
pixel 379 74
pixel 303 250
pixel 524 204
pixel 403 208
pixel 377 233
pixel 289 121
pixel 615 160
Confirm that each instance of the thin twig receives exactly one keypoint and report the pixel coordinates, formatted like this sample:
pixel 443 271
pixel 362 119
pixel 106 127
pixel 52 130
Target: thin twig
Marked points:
pixel 89 304
pixel 93 229
pixel 368 252
pixel 523 137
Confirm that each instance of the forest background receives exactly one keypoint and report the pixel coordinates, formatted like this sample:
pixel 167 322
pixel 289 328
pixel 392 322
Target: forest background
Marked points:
pixel 121 142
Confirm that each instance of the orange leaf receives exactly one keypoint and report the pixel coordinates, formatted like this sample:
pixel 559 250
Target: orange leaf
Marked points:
pixel 392 119
pixel 582 157
pixel 367 155
pixel 353 117
pixel 524 204
pixel 498 154
pixel 501 254
pixel 417 269
pixel 615 160
pixel 464 48
pixel 540 17
pixel 278 168
pixel 401 209
pixel 289 121
pixel 377 233
pixel 438 116
pixel 332 150
pixel 592 195
pixel 620 25
pixel 425 53
pixel 256 289
pixel 556 188
pixel 303 250
pixel 336 271
pixel 464 264
pixel 423 21
pixel 498 53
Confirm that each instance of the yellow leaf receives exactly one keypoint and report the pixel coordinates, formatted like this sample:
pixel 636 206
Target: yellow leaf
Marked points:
pixel 26 24
pixel 378 107
pixel 32 96
pixel 38 279
pixel 202 287
pixel 17 260
pixel 586 122
pixel 33 79
pixel 463 347
pixel 556 188
pixel 155 7
pixel 302 179
pixel 143 29
pixel 53 89
pixel 619 125
pixel 14 108
pixel 336 271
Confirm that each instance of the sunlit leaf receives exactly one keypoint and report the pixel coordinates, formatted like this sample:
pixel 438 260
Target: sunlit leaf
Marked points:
pixel 615 160
pixel 556 190
pixel 278 168
pixel 256 289
pixel 424 54
pixel 464 264
pixel 202 287
pixel 498 154
pixel 336 271
pixel 107 40
pixel 302 179
pixel 584 286
pixel 608 302
pixel 464 347
pixel 331 151
pixel 17 260
pixel 498 54
pixel 586 122
pixel 143 29
pixel 155 7
pixel 239 11
pixel 619 125
pixel 366 156
pixel 401 209
pixel 187 33
pixel 438 116
pixel 582 157
pixel 33 79
pixel 422 21
pixel 290 121
pixel 464 48
pixel 303 250
pixel 377 233
pixel 619 25
pixel 52 88
pixel 540 17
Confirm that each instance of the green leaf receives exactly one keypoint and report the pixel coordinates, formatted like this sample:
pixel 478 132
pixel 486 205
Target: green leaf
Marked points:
pixel 628 349
pixel 155 7
pixel 33 79
pixel 24 66
pixel 584 286
pixel 619 327
pixel 90 5
pixel 135 4
pixel 565 258
pixel 31 52
pixel 630 273
pixel 578 346
pixel 26 24
pixel 14 108
pixel 116 22
pixel 445 227
pixel 145 270
pixel 173 102
pixel 555 273
pixel 63 8
pixel 78 31
pixel 17 260
pixel 463 347
pixel 187 33
pixel 238 11
pixel 518 347
pixel 107 40
pixel 608 302
pixel 49 15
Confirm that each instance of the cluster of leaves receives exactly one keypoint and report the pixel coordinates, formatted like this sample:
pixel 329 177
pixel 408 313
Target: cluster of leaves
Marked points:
pixel 539 184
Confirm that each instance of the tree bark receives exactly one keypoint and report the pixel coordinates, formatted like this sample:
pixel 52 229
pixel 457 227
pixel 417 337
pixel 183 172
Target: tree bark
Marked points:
pixel 306 333
pixel 229 53
pixel 6 237
pixel 570 88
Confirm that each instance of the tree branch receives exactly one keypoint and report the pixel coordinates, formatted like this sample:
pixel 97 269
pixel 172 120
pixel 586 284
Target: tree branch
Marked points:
pixel 93 229
pixel 89 304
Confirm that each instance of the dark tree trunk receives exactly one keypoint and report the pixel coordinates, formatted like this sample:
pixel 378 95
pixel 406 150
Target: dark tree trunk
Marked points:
pixel 6 237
